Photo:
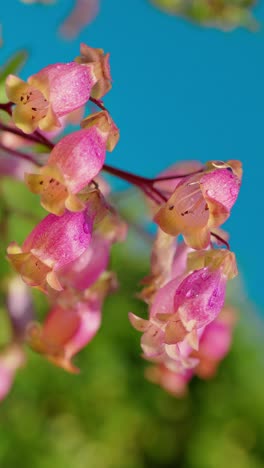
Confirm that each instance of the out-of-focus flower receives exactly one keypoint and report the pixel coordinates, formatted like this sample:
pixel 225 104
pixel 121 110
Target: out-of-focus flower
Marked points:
pixel 175 383
pixel 215 343
pixel 201 202
pixel 223 14
pixel 73 163
pixel 71 324
pixel 53 243
pixel 83 12
pixel 51 93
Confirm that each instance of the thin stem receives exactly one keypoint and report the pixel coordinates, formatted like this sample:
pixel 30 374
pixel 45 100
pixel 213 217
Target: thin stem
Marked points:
pixel 220 239
pixel 30 137
pixel 19 154
pixel 176 176
pixel 43 139
pixel 98 103
pixel 6 107
pixel 142 183
pixel 125 175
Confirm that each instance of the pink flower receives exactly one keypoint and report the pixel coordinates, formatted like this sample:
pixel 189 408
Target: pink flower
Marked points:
pixel 53 243
pixel 201 202
pixel 86 269
pixel 183 307
pixel 73 163
pixel 50 94
pixel 175 383
pixel 84 11
pixel 215 343
pixel 71 324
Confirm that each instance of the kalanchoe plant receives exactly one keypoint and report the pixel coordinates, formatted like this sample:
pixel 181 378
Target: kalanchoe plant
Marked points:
pixel 66 255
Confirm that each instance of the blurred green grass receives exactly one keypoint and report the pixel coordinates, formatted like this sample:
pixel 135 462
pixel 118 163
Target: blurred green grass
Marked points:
pixel 109 416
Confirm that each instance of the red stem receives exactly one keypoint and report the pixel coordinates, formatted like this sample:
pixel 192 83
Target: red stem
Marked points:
pixel 98 103
pixel 6 107
pixel 220 239
pixel 19 154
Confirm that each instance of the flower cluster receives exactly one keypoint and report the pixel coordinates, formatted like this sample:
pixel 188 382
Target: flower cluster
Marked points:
pixel 188 329
pixel 66 255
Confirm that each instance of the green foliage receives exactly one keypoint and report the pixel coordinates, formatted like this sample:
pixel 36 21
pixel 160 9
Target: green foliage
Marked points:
pixel 111 417
pixel 13 65
pixel 223 14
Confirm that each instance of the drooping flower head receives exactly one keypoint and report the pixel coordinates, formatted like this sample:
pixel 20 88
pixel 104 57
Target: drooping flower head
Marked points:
pixel 71 323
pixel 201 202
pixel 53 92
pixel 73 163
pixel 54 242
pixel 184 306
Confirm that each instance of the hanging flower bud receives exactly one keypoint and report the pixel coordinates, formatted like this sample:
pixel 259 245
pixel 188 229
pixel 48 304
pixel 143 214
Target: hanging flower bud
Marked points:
pixel 71 324
pixel 89 55
pixel 201 202
pixel 53 243
pixel 71 166
pixel 51 93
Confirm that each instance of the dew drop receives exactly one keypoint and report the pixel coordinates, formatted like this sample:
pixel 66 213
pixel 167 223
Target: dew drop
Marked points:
pixel 210 193
pixel 86 228
pixel 189 293
pixel 233 191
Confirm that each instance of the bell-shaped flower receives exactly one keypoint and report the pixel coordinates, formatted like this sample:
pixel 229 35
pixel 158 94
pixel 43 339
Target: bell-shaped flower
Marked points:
pixel 54 242
pixel 89 55
pixel 198 299
pixel 71 324
pixel 86 269
pixel 53 92
pixel 73 163
pixel 183 307
pixel 201 202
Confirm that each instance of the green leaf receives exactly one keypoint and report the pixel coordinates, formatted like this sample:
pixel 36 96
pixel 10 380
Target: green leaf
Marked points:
pixel 13 65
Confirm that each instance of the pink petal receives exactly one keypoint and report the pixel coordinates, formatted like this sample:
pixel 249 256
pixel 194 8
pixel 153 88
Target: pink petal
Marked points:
pixel 69 85
pixel 221 186
pixel 90 320
pixel 58 240
pixel 200 297
pixel 86 269
pixel 79 156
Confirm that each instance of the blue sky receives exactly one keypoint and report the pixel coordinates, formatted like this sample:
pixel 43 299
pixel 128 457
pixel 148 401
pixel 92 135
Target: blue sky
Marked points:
pixel 179 92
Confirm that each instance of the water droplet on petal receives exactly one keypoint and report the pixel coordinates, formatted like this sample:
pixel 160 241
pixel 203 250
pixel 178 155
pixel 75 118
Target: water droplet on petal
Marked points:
pixel 189 293
pixel 233 191
pixel 86 228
